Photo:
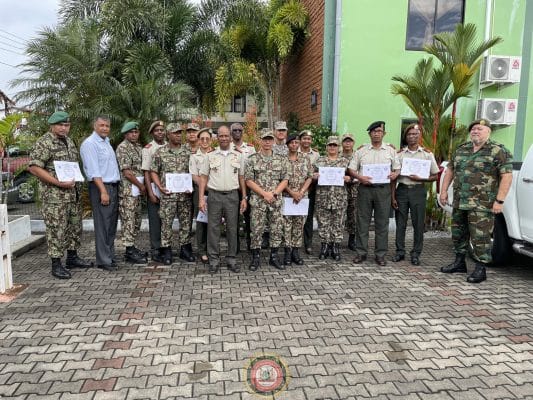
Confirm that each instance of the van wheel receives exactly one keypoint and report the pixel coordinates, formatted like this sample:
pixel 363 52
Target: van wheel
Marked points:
pixel 502 250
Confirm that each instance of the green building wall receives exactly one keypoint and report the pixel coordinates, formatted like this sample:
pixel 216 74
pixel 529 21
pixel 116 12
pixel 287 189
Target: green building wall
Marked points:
pixel 372 50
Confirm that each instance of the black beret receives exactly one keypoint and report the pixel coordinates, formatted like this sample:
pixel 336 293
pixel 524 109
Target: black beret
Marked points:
pixel 375 125
pixel 291 138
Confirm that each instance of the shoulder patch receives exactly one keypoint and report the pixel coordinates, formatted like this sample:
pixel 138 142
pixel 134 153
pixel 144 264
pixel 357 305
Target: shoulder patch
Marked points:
pixel 148 146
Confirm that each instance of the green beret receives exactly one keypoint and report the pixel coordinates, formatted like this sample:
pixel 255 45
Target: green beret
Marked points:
pixel 129 126
pixel 58 117
pixel 484 122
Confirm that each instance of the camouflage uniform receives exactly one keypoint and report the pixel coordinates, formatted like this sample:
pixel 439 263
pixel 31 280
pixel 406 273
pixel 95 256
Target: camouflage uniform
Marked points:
pixel 168 160
pixel 299 171
pixel 331 204
pixel 280 149
pixel 351 209
pixel 129 156
pixel 476 180
pixel 61 208
pixel 267 172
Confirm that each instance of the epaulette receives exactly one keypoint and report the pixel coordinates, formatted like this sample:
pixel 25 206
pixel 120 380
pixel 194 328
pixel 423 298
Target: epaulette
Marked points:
pixel 426 150
pixel 391 145
pixel 315 149
pixel 148 146
pixel 211 150
pixel 360 147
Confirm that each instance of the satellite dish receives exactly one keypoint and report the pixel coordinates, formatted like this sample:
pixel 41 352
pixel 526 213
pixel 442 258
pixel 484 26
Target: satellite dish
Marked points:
pixel 499 68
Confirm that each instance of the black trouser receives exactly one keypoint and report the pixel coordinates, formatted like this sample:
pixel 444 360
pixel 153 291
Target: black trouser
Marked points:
pixel 308 227
pixel 246 216
pixel 410 199
pixel 154 225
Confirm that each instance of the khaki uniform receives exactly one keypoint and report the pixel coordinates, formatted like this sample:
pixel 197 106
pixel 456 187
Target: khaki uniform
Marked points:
pixel 222 170
pixel 351 196
pixel 267 172
pixel 246 149
pixel 299 171
pixel 374 198
pixel 129 156
pixel 411 198
pixel 168 160
pixel 61 207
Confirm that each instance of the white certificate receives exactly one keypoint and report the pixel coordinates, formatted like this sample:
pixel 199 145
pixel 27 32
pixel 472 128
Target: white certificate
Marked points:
pixel 290 208
pixel 202 217
pixel 178 183
pixel 378 172
pixel 331 176
pixel 135 192
pixel 68 171
pixel 412 166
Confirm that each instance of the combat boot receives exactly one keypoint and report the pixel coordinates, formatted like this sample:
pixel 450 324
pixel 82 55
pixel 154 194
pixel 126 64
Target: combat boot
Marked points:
pixel 167 255
pixel 459 265
pixel 335 251
pixel 74 261
pixel 134 256
pixel 351 241
pixel 479 274
pixel 287 256
pixel 157 255
pixel 58 271
pixel 140 252
pixel 186 253
pixel 296 256
pixel 255 263
pixel 274 259
pixel 323 251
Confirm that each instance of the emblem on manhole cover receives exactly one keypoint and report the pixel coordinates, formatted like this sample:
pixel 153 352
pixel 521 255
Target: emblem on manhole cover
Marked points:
pixel 267 375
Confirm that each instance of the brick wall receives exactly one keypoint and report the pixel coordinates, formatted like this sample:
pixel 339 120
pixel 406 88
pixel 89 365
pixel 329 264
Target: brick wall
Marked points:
pixel 303 73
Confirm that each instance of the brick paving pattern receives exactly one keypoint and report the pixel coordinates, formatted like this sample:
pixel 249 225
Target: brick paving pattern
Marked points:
pixel 345 331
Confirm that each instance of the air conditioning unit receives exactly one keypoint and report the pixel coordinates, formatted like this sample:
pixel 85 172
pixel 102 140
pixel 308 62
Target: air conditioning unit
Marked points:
pixel 497 111
pixel 501 69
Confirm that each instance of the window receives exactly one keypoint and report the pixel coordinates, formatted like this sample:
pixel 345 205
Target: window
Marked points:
pixel 238 104
pixel 428 17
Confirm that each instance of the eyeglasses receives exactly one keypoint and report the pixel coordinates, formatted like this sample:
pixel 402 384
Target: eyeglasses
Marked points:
pixel 236 130
pixel 333 144
pixel 204 138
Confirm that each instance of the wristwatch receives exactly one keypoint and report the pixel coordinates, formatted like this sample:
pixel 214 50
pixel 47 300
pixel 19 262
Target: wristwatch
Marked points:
pixel 500 201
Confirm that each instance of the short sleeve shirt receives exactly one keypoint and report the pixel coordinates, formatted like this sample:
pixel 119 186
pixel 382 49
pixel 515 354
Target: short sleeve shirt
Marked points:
pixel 129 156
pixel 147 154
pixel 367 155
pixel 223 170
pixel 169 160
pixel 420 154
pixel 331 197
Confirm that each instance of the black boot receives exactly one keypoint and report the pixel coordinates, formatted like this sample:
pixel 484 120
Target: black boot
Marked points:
pixel 296 256
pixel 335 251
pixel 186 253
pixel 459 265
pixel 274 259
pixel 140 252
pixel 166 255
pixel 255 263
pixel 351 241
pixel 479 274
pixel 157 255
pixel 287 256
pixel 74 261
pixel 58 271
pixel 134 256
pixel 323 251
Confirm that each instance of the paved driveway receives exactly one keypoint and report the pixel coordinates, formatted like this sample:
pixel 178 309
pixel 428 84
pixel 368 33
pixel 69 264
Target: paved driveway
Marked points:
pixel 341 331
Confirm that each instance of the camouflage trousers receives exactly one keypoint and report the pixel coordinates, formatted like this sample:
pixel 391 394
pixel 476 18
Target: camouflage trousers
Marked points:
pixel 169 208
pixel 330 223
pixel 476 227
pixel 263 217
pixel 63 227
pixel 129 208
pixel 351 209
pixel 293 230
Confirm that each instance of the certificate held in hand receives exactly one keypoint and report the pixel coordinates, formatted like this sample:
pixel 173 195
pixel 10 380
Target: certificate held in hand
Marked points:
pixel 413 166
pixel 67 171
pixel 378 172
pixel 331 176
pixel 292 208
pixel 178 183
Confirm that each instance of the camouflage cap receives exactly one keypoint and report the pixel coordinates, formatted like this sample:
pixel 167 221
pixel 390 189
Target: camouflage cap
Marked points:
pixel 347 136
pixel 58 117
pixel 129 126
pixel 280 126
pixel 208 130
pixel 484 122
pixel 174 127
pixel 266 133
pixel 154 125
pixel 333 140
pixel 193 126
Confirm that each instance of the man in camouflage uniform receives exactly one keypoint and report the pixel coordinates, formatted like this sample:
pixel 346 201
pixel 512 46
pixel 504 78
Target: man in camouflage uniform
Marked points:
pixel 300 177
pixel 173 159
pixel 266 176
pixel 61 203
pixel 331 203
pixel 351 191
pixel 482 173
pixel 129 158
pixel 280 135
pixel 373 197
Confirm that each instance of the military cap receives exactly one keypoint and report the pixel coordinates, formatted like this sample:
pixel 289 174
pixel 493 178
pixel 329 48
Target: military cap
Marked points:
pixel 375 125
pixel 482 121
pixel 58 117
pixel 347 136
pixel 193 126
pixel 174 127
pixel 129 126
pixel 236 125
pixel 280 126
pixel 266 133
pixel 154 125
pixel 208 130
pixel 291 138
pixel 305 132
pixel 333 140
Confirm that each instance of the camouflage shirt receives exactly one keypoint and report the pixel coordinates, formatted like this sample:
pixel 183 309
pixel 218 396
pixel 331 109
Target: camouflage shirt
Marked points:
pixel 47 150
pixel 280 149
pixel 266 171
pixel 172 161
pixel 129 156
pixel 477 175
pixel 299 171
pixel 331 197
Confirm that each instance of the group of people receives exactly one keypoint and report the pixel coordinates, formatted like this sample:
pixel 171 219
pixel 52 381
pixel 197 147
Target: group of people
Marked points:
pixel 234 181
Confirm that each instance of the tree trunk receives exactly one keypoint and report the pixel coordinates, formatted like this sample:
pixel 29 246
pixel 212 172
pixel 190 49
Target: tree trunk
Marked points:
pixel 452 129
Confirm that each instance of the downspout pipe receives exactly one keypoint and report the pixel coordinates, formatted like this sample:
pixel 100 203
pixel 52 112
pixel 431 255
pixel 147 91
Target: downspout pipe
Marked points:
pixel 488 22
pixel 328 60
pixel 336 65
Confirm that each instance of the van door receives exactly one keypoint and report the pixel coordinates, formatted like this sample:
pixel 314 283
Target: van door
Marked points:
pixel 524 195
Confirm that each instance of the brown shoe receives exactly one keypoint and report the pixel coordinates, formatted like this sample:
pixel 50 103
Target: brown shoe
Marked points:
pixel 359 259
pixel 381 261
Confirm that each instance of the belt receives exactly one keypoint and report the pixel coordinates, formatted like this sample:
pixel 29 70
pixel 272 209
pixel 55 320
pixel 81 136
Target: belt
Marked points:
pixel 380 185
pixel 415 186
pixel 223 193
pixel 108 183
